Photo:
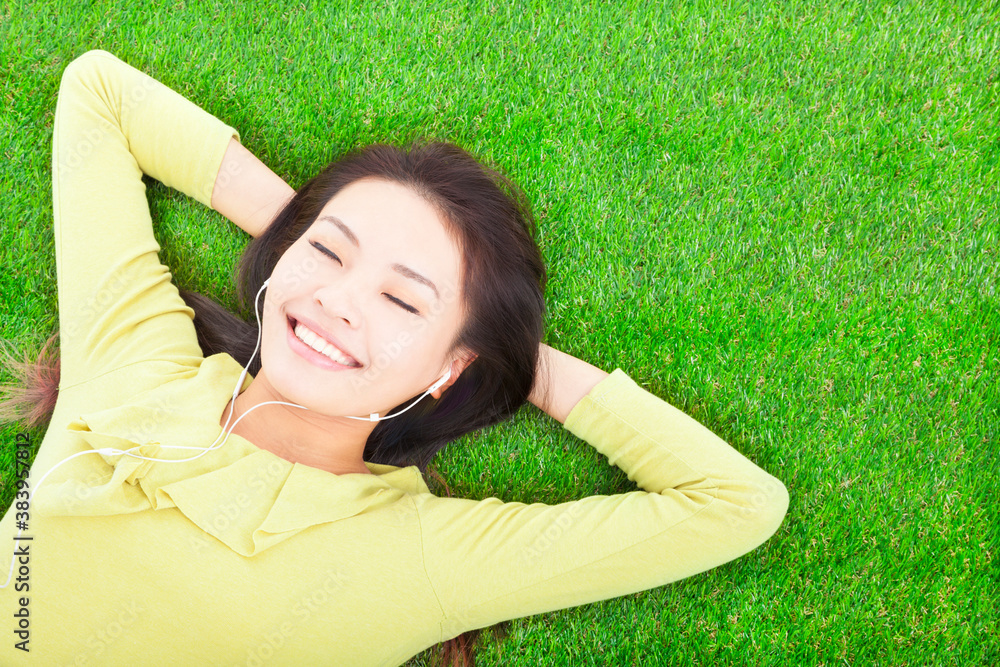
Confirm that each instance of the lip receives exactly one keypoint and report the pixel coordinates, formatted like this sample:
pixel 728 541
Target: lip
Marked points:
pixel 311 355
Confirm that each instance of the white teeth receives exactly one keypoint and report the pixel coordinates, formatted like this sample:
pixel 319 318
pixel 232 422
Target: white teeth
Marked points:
pixel 316 342
pixel 304 334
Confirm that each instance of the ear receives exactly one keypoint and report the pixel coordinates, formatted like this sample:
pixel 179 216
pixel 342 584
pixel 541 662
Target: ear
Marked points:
pixel 457 367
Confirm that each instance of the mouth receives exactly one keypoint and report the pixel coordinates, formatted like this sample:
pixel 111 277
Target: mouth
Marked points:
pixel 312 346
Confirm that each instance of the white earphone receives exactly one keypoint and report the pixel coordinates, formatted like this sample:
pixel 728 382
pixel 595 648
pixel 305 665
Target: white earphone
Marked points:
pixel 109 451
pixel 373 417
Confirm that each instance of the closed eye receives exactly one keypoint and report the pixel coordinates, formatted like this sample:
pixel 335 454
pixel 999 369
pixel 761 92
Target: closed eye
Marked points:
pixel 326 251
pixel 402 304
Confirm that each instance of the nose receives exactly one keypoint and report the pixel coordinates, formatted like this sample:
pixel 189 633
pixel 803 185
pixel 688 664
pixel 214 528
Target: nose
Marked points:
pixel 339 301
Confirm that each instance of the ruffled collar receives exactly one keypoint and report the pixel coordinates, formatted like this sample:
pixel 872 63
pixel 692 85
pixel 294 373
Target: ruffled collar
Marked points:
pixel 247 497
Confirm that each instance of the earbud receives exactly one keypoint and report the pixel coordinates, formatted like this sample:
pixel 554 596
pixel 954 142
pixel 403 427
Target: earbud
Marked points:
pixel 266 282
pixel 444 378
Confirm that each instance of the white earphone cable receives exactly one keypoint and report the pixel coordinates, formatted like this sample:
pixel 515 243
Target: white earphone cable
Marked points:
pixel 109 451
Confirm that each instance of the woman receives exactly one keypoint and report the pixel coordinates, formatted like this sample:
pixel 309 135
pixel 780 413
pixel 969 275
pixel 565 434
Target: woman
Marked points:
pixel 165 527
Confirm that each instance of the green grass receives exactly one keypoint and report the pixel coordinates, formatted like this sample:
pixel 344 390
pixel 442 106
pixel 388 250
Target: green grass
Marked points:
pixel 780 217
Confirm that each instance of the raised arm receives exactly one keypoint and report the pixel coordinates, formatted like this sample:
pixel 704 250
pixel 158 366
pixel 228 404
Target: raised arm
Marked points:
pixel 247 192
pixel 702 504
pixel 117 305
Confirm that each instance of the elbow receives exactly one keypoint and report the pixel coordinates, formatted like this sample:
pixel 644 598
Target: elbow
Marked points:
pixel 778 507
pixel 92 57
pixel 761 512
pixel 85 70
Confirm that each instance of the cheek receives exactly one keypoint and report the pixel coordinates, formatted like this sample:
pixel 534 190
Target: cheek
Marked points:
pixel 271 317
pixel 397 350
pixel 270 335
pixel 410 348
pixel 294 269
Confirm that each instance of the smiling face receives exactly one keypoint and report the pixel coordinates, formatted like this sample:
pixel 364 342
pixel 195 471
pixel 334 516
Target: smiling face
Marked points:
pixel 361 311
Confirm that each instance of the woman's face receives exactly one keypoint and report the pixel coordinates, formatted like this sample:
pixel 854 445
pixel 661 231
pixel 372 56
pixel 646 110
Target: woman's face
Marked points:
pixel 374 283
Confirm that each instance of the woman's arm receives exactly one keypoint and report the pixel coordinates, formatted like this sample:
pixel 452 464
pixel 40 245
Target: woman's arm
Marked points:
pixel 117 304
pixel 247 192
pixel 702 504
pixel 561 381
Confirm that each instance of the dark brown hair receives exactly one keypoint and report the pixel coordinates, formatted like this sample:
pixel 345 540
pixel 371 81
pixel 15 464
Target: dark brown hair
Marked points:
pixel 503 285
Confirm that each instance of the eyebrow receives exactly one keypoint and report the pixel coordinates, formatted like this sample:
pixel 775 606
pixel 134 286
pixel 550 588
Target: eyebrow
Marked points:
pixel 404 271
pixel 413 275
pixel 342 227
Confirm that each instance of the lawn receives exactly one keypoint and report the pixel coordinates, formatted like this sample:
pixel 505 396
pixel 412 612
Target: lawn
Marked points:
pixel 780 217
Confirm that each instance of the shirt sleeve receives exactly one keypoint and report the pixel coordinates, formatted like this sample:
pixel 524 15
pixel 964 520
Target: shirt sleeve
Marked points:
pixel 702 505
pixel 117 305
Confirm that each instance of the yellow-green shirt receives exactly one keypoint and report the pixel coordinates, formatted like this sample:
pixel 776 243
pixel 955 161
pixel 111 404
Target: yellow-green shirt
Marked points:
pixel 243 558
